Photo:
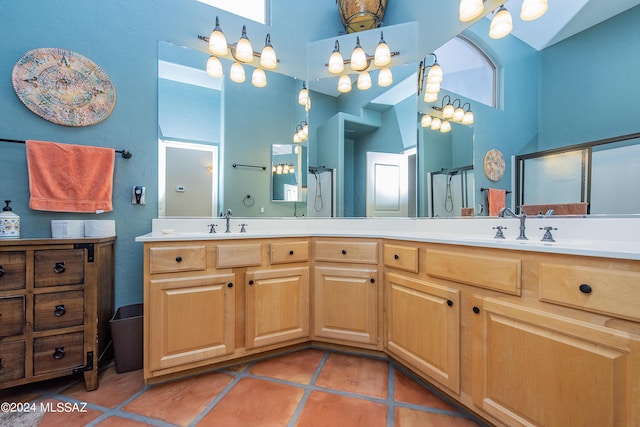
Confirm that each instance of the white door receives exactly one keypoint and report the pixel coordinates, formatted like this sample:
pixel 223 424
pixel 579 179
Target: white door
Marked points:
pixel 387 184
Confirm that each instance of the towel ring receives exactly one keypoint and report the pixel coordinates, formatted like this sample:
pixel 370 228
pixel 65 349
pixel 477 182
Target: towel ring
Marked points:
pixel 248 200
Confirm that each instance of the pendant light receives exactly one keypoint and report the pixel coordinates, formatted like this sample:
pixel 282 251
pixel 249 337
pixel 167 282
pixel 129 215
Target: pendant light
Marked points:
pixel 470 9
pixel 382 56
pixel 426 121
pixel 385 78
pixel 237 73
pixel 501 24
pixel 358 57
pixel 336 62
pixel 364 80
pixel 436 123
pixel 244 50
pixel 533 9
pixel 259 78
pixel 214 67
pixel 344 84
pixel 303 95
pixel 217 41
pixel 268 58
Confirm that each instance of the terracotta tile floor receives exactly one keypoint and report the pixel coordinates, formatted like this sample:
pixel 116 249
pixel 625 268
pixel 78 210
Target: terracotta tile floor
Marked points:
pixel 309 388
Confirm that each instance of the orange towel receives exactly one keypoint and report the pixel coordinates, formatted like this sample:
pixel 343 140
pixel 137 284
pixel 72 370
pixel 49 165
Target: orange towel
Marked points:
pixel 70 178
pixel 496 201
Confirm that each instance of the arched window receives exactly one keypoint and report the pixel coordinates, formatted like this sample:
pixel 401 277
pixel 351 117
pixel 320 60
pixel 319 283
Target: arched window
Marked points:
pixel 256 10
pixel 468 71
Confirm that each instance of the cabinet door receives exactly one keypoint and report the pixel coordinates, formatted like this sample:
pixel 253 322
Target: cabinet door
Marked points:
pixel 190 319
pixel 277 306
pixel 346 304
pixel 423 327
pixel 533 368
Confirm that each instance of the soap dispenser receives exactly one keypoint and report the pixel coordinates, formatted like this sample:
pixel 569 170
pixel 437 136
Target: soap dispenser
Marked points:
pixel 9 223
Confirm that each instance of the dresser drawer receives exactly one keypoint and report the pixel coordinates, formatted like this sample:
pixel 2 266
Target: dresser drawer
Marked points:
pixel 177 258
pixel 59 267
pixel 239 255
pixel 401 257
pixel 11 361
pixel 284 252
pixel 498 273
pixel 351 252
pixel 11 316
pixel 58 352
pixel 12 271
pixel 600 290
pixel 58 310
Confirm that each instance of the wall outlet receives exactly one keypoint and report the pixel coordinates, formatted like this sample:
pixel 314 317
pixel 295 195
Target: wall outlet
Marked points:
pixel 137 195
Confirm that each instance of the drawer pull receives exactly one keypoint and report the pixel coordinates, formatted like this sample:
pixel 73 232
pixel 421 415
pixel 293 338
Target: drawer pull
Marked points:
pixel 251 282
pixel 229 285
pixel 396 256
pixel 59 311
pixel 59 268
pixel 344 252
pixel 1 270
pixel 372 280
pixel 178 259
pixel 58 353
pixel 585 289
pixel 450 303
pixel 291 252
pixel 476 310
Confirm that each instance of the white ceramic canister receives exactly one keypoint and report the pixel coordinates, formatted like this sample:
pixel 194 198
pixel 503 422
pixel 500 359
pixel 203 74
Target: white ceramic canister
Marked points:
pixel 9 223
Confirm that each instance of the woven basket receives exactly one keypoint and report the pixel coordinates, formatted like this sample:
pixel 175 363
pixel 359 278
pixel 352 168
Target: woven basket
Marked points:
pixel 361 15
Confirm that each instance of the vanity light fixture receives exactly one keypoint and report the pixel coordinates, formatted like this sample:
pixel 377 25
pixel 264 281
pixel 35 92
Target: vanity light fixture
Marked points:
pixel 451 112
pixel 344 84
pixel 445 126
pixel 385 78
pixel 470 9
pixel 447 110
pixel 433 78
pixel 336 62
pixel 240 52
pixel 501 23
pixel 533 9
pixel 303 95
pixel 436 123
pixel 382 55
pixel 302 132
pixel 425 122
pixel 467 119
pixel 359 60
pixel 458 113
pixel 364 80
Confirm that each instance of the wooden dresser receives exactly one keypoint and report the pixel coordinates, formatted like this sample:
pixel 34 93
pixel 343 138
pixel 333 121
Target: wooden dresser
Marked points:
pixel 56 299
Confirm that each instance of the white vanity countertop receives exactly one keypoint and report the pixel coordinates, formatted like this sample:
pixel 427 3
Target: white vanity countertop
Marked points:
pixel 609 237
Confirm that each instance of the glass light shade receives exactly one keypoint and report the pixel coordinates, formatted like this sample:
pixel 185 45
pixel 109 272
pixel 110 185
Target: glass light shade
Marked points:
pixel 470 9
pixel 435 74
pixel 236 74
pixel 303 95
pixel 445 126
pixel 358 57
pixel 214 67
pixel 279 169
pixel 301 135
pixel 259 78
pixel 305 130
pixel 501 24
pixel 425 122
pixel 344 84
pixel 307 106
pixel 533 9
pixel 273 168
pixel 244 50
pixel 364 80
pixel 385 78
pixel 468 118
pixel 430 97
pixel 336 62
pixel 382 56
pixel 447 111
pixel 217 41
pixel 432 88
pixel 268 58
pixel 296 137
pixel 436 123
pixel 458 114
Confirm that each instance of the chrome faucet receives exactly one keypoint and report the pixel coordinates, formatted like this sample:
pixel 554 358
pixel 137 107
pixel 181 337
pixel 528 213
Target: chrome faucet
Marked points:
pixel 522 217
pixel 227 216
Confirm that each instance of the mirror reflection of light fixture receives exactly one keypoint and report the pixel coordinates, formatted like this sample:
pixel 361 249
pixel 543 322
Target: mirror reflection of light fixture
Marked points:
pixel 501 24
pixel 470 10
pixel 214 67
pixel 436 123
pixel 385 78
pixel 445 126
pixel 430 97
pixel 455 113
pixel 303 95
pixel 237 73
pixel 425 122
pixel 364 80
pixel 533 9
pixel 447 110
pixel 430 82
pixel 458 113
pixel 259 78
pixel 344 84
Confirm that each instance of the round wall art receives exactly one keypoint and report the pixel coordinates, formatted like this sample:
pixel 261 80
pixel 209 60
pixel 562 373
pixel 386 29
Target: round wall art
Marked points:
pixel 494 164
pixel 63 87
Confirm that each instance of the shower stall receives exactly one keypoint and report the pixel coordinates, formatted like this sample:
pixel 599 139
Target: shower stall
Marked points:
pixel 320 192
pixel 450 190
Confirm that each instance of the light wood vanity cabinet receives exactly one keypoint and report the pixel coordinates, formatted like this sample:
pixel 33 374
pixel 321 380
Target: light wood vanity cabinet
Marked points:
pixel 56 299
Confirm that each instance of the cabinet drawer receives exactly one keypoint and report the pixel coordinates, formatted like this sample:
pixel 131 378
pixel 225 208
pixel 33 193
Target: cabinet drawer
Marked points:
pixel 12 271
pixel 283 252
pixel 239 255
pixel 11 361
pixel 401 257
pixel 177 258
pixel 58 352
pixel 11 316
pixel 498 273
pixel 58 310
pixel 352 252
pixel 58 267
pixel 600 290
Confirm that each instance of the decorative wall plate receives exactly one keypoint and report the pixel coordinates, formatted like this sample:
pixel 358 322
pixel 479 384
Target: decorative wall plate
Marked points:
pixel 63 87
pixel 494 164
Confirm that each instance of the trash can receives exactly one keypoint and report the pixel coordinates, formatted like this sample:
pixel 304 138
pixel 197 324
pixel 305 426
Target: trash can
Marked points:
pixel 126 332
